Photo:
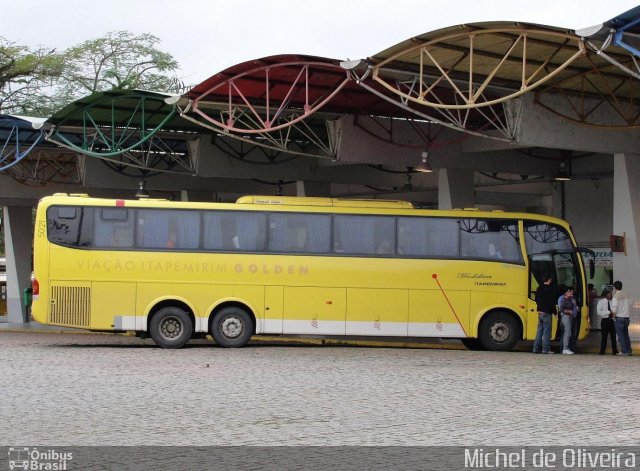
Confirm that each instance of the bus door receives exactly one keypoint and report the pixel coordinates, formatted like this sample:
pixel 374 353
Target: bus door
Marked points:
pixel 568 274
pixel 564 270
pixel 539 265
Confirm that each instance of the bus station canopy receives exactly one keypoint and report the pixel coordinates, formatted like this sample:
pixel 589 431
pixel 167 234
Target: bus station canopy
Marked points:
pixel 469 77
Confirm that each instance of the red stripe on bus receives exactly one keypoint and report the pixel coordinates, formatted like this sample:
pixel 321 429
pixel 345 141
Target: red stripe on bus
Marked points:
pixel 435 277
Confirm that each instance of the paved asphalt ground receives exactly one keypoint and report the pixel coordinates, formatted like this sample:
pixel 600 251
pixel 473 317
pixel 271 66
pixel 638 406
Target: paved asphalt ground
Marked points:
pixel 90 389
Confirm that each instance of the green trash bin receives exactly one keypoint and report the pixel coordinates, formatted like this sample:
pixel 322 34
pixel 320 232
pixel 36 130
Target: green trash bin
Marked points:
pixel 27 298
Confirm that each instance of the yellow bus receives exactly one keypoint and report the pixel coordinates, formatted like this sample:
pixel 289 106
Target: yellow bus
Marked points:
pixel 296 266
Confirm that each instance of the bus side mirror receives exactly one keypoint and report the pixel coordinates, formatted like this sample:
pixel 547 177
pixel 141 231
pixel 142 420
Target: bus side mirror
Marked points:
pixel 592 268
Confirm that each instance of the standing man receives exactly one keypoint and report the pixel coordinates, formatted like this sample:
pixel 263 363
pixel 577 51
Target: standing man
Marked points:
pixel 607 327
pixel 545 301
pixel 620 310
pixel 568 310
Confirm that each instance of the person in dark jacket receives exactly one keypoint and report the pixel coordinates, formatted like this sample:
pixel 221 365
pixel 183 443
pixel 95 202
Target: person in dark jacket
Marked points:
pixel 546 304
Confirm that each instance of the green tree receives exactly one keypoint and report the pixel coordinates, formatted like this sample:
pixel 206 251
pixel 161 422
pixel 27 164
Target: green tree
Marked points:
pixel 26 78
pixel 38 82
pixel 118 60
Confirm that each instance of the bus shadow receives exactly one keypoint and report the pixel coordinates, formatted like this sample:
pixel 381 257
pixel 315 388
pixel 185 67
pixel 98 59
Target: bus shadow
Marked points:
pixel 188 346
pixel 260 344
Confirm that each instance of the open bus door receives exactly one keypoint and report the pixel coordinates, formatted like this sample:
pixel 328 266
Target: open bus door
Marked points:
pixel 540 265
pixel 565 270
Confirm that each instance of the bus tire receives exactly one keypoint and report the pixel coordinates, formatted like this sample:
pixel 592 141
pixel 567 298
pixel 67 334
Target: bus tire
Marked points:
pixel 231 327
pixel 499 331
pixel 472 344
pixel 171 327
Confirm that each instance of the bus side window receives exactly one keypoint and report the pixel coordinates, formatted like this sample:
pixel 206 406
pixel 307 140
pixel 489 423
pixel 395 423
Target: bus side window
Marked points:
pixel 428 237
pixel 365 235
pixel 384 248
pixel 70 225
pixel 234 231
pixel 113 228
pixel 298 233
pixel 488 239
pixel 168 229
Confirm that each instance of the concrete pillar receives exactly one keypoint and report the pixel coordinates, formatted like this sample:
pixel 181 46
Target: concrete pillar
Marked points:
pixel 455 189
pixel 626 220
pixel 18 236
pixel 309 188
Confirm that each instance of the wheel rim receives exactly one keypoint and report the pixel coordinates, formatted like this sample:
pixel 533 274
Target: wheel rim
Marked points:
pixel 500 332
pixel 231 327
pixel 171 328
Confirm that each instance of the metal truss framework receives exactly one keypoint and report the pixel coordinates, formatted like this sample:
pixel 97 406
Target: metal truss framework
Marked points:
pixel 299 94
pixel 19 138
pixel 43 166
pixel 277 113
pixel 623 32
pixel 600 96
pixel 125 131
pixel 468 80
pixel 316 136
pixel 385 129
pixel 158 154
pixel 597 97
pixel 249 152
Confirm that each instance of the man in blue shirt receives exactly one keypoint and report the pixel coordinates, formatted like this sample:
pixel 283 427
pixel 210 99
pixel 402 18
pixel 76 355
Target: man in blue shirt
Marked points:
pixel 569 313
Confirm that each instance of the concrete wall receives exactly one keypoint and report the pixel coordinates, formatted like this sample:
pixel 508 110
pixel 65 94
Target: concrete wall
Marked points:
pixel 589 209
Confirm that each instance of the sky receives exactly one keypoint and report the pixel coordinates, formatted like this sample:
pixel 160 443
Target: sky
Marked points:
pixel 207 36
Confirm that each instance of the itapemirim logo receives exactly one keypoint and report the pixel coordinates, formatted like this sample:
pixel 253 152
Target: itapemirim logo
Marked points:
pixel 33 459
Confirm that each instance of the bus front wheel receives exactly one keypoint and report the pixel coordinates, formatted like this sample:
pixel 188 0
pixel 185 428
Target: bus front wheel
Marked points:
pixel 171 327
pixel 231 327
pixel 499 331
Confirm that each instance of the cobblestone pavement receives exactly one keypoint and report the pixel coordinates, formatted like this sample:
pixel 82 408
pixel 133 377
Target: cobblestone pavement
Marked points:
pixel 68 389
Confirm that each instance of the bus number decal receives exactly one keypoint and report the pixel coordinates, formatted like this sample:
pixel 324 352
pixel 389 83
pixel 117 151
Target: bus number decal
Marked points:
pixel 42 225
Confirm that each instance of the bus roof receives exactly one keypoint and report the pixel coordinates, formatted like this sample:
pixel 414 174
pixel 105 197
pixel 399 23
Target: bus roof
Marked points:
pixel 287 203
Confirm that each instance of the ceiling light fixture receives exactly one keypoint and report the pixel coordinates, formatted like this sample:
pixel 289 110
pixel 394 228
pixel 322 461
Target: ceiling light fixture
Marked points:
pixel 407 186
pixel 563 174
pixel 423 166
pixel 142 192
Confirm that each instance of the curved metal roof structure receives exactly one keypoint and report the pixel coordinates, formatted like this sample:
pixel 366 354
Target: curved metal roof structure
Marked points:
pixel 472 78
pixel 475 65
pixel 131 128
pixel 19 135
pixel 286 103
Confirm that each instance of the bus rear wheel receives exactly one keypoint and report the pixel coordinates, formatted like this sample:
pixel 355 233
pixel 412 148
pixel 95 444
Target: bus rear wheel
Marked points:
pixel 231 327
pixel 499 331
pixel 171 327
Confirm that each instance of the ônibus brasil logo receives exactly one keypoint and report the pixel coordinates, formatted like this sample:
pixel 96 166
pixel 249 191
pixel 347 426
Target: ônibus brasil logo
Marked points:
pixel 41 460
